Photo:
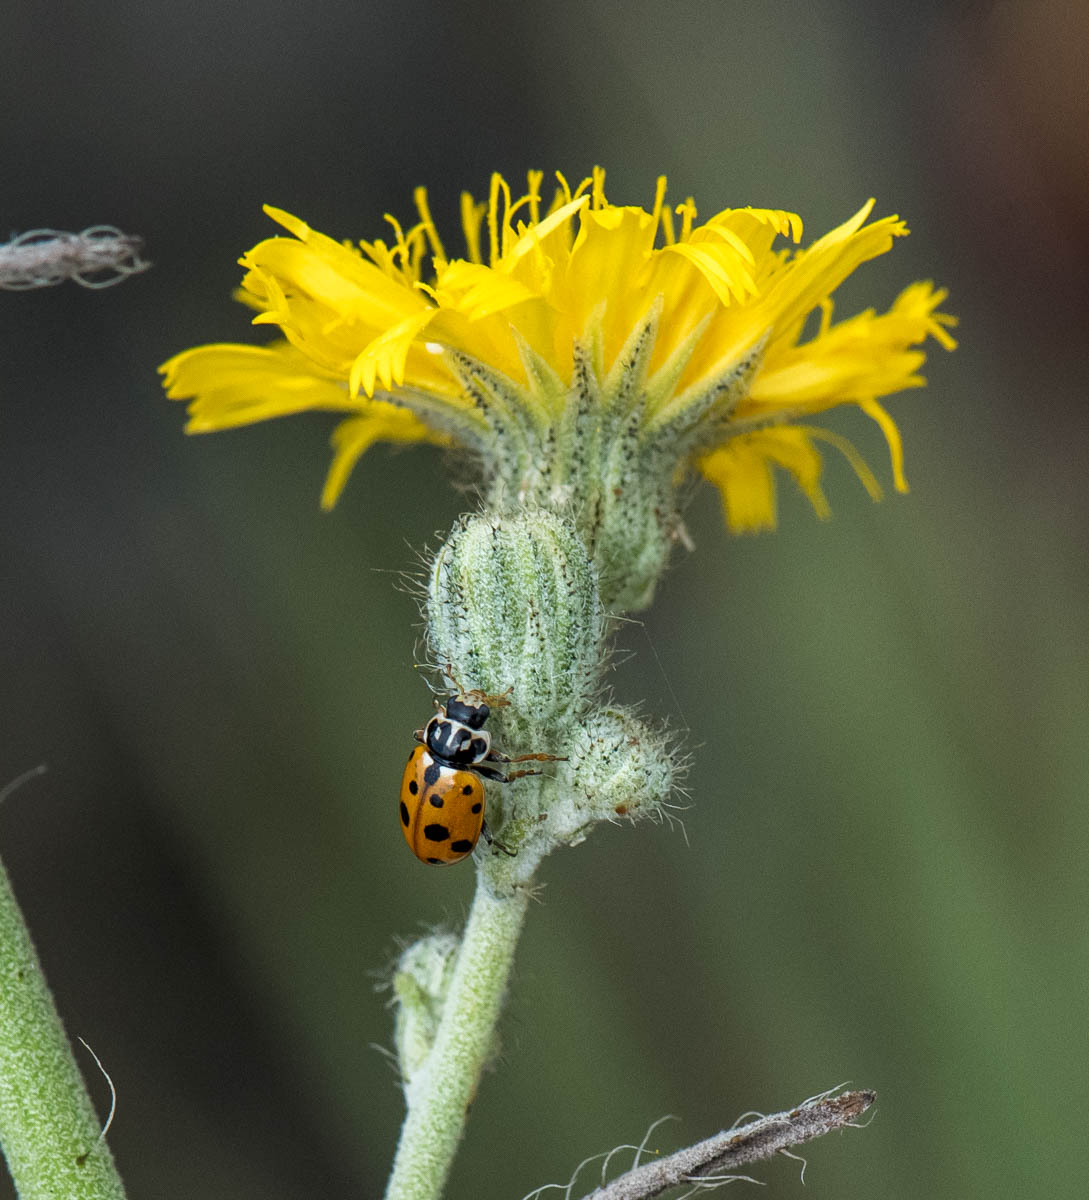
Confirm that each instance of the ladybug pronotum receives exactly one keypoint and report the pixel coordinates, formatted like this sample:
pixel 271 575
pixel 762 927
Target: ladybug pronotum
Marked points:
pixel 442 796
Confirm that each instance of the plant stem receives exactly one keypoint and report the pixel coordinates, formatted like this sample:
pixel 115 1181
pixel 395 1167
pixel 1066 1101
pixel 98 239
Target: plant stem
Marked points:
pixel 48 1126
pixel 440 1094
pixel 717 1159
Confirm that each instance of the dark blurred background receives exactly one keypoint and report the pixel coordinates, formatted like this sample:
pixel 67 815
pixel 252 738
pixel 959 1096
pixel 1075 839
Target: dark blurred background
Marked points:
pixel 884 873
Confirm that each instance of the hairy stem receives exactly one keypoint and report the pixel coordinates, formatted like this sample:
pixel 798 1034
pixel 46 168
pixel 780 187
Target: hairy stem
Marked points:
pixel 48 1126
pixel 440 1094
pixel 717 1159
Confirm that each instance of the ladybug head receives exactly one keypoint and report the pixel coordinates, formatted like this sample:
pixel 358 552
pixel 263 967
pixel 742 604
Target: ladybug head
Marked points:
pixel 473 715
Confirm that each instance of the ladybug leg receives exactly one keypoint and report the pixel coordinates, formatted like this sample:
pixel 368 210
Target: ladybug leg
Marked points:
pixel 496 756
pixel 473 693
pixel 418 734
pixel 498 776
pixel 486 833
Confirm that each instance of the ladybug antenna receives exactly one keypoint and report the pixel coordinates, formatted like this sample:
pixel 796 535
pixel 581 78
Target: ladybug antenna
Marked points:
pixel 475 697
pixel 449 677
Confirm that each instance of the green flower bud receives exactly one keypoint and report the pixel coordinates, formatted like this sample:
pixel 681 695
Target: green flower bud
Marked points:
pixel 421 980
pixel 619 767
pixel 616 767
pixel 514 611
pixel 513 606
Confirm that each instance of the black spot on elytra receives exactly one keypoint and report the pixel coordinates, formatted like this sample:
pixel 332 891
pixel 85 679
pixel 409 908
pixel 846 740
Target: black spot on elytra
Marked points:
pixel 477 807
pixel 436 833
pixel 435 862
pixel 467 790
pixel 431 775
pixel 413 786
pixel 404 814
pixel 436 801
pixel 462 847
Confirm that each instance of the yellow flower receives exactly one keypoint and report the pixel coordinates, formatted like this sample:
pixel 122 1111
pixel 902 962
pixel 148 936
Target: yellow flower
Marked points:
pixel 583 351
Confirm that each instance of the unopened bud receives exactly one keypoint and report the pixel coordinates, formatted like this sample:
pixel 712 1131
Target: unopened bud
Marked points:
pixel 513 606
pixel 619 767
pixel 420 983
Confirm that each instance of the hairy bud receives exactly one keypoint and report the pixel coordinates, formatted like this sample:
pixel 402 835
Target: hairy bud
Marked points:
pixel 513 606
pixel 420 983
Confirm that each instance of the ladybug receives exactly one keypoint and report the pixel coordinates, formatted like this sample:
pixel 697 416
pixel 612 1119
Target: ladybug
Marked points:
pixel 442 797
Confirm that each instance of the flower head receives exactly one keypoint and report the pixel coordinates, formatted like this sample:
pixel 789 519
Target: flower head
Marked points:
pixel 589 355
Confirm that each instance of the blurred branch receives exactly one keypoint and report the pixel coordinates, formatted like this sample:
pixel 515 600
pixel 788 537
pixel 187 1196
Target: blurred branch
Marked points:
pixel 713 1161
pixel 43 257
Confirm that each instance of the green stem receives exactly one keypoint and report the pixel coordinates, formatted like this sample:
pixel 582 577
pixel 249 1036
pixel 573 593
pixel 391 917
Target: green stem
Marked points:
pixel 48 1126
pixel 440 1094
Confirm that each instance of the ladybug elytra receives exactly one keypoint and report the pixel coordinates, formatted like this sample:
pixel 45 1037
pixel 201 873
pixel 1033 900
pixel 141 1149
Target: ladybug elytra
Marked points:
pixel 442 796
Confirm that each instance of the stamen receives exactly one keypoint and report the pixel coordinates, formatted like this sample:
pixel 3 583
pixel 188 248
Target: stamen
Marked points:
pixel 667 225
pixel 521 202
pixel 827 307
pixel 582 187
pixel 532 200
pixel 659 200
pixel 427 224
pixel 417 244
pixel 597 195
pixel 892 435
pixel 534 179
pixel 687 212
pixel 400 250
pixel 493 219
pixel 471 216
pixel 500 233
pixel 507 233
pixel 865 475
pixel 563 193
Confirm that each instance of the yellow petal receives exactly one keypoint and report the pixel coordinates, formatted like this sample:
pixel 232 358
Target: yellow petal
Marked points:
pixel 351 438
pixel 383 360
pixel 231 385
pixel 606 264
pixel 892 435
pixel 741 470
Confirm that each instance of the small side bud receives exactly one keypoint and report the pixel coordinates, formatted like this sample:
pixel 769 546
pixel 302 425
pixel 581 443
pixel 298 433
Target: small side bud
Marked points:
pixel 420 983
pixel 513 605
pixel 619 767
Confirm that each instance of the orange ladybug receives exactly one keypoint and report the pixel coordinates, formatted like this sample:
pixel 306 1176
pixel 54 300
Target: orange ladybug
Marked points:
pixel 442 797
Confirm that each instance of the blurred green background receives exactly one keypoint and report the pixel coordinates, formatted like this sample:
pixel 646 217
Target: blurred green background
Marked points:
pixel 883 878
